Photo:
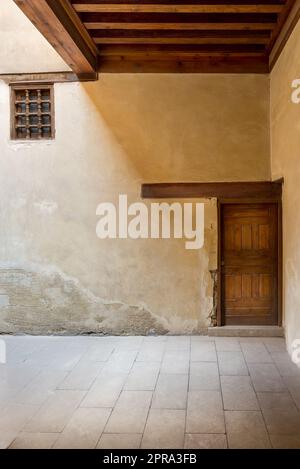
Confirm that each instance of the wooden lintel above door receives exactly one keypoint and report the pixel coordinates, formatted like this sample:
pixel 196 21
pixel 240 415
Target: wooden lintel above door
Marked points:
pixel 267 190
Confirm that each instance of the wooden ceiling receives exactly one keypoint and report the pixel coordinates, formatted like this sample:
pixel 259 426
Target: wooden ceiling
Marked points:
pixel 167 36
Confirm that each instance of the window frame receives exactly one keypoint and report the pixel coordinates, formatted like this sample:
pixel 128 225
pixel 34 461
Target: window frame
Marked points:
pixel 31 86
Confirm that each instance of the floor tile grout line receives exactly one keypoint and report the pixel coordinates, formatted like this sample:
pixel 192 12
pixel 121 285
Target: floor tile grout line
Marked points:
pixel 187 397
pixel 153 392
pixel 221 392
pixel 261 412
pixel 121 390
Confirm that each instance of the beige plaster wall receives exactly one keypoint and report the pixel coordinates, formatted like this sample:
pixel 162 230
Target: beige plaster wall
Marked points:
pixel 285 144
pixel 112 135
pixel 22 48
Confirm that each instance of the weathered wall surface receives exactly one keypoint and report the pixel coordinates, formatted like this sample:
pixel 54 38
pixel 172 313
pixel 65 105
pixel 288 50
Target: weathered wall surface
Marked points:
pixel 285 144
pixel 22 48
pixel 112 135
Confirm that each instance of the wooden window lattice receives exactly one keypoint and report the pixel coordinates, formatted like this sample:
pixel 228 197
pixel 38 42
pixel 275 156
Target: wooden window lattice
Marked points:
pixel 32 112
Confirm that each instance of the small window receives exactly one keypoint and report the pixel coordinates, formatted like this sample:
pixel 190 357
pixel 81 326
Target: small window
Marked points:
pixel 32 112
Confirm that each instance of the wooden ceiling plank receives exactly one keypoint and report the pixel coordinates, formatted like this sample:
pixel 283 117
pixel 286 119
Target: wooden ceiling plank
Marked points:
pixel 180 26
pixel 182 40
pixel 212 64
pixel 152 33
pixel 169 8
pixel 180 2
pixel 177 49
pixel 60 25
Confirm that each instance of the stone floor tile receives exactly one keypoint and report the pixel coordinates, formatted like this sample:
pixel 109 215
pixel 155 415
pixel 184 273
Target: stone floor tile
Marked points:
pixel 266 378
pixel 204 351
pixel 132 343
pixel 285 441
pixel 240 400
pixel 34 440
pixel 202 441
pixel 276 400
pixel 282 422
pixel 232 363
pixel 120 362
pixel 98 352
pixel 248 441
pixel 227 344
pixel 130 412
pixel 176 361
pixel 82 376
pixel 171 392
pixel 256 353
pixel 143 376
pixel 284 364
pixel 246 430
pixel 275 344
pixel 204 376
pixel 164 429
pixel 105 390
pixel 55 412
pixel 151 351
pixel 12 420
pixel 178 343
pixel 83 429
pixel 41 388
pixel 205 412
pixel 240 384
pixel 119 441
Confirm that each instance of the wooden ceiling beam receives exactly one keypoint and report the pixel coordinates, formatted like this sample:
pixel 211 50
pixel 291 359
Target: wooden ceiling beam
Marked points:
pixel 212 64
pixel 180 26
pixel 281 35
pixel 182 40
pixel 177 8
pixel 60 25
pixel 173 33
pixel 177 50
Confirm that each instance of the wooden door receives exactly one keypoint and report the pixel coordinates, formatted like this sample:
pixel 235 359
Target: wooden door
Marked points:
pixel 249 264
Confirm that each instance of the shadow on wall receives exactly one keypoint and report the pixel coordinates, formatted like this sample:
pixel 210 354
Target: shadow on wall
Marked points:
pixel 188 127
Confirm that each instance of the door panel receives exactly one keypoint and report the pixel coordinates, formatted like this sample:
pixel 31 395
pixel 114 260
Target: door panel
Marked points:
pixel 249 264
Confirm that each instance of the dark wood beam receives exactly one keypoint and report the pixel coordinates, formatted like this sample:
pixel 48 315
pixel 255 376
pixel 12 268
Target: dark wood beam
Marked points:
pixel 47 77
pixel 216 64
pixel 180 26
pixel 120 36
pixel 205 20
pixel 59 23
pixel 176 8
pixel 283 35
pixel 220 190
pixel 192 51
pixel 280 22
pixel 181 40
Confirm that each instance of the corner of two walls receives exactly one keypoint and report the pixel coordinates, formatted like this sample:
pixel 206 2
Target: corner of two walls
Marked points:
pixel 285 144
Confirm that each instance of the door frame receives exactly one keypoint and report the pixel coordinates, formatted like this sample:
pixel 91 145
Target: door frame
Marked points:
pixel 237 192
pixel 266 200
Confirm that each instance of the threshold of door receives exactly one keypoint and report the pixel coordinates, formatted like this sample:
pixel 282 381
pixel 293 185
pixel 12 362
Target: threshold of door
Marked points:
pixel 246 331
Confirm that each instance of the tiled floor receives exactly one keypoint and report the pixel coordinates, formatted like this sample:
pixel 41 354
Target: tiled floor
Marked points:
pixel 148 392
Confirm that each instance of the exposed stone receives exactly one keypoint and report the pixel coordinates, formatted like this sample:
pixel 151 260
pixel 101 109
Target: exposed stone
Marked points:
pixel 49 302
